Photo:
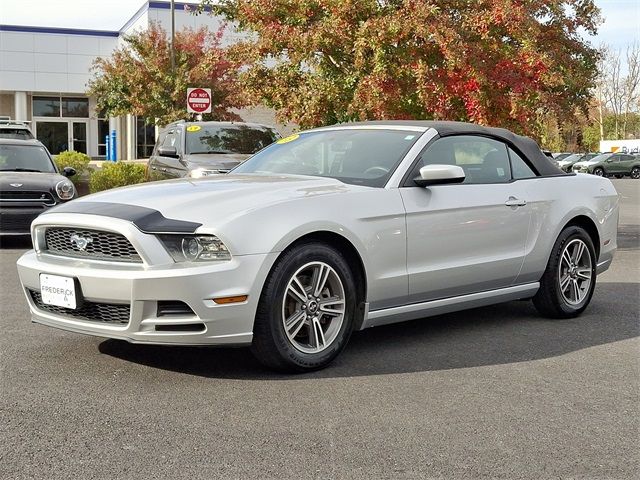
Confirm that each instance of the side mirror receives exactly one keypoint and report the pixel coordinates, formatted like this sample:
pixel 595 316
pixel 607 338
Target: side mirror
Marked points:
pixel 439 174
pixel 168 152
pixel 68 171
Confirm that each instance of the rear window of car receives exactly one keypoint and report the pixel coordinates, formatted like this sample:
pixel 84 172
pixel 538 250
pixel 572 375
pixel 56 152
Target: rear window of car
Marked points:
pixel 15 134
pixel 242 139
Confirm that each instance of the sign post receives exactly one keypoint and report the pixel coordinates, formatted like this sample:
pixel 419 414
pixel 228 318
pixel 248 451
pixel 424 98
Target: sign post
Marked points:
pixel 199 100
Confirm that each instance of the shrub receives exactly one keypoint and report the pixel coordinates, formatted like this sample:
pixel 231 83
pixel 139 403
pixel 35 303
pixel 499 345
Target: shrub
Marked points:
pixel 76 160
pixel 114 175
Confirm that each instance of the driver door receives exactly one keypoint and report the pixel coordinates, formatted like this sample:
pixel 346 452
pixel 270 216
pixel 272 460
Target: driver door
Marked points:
pixel 468 237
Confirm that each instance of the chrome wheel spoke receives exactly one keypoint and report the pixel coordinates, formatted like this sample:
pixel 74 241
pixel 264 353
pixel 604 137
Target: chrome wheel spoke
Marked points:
pixel 578 251
pixel 564 283
pixel 320 276
pixel 332 306
pixel 576 290
pixel 317 334
pixel 297 290
pixel 566 258
pixel 294 323
pixel 584 273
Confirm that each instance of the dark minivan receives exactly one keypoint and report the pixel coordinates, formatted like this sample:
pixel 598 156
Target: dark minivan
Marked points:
pixel 199 149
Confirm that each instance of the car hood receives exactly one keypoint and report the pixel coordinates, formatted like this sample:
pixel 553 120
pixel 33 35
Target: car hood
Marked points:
pixel 29 181
pixel 216 160
pixel 222 198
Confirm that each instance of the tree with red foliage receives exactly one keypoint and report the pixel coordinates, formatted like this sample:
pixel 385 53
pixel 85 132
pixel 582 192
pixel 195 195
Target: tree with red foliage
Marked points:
pixel 138 79
pixel 497 62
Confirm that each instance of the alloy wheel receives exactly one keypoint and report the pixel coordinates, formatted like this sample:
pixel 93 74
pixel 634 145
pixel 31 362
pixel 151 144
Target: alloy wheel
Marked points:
pixel 575 272
pixel 635 172
pixel 313 307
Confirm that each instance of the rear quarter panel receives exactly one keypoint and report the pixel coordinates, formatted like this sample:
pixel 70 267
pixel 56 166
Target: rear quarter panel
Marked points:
pixel 555 202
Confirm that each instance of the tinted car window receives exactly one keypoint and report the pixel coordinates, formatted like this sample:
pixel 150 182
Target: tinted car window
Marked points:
pixel 519 168
pixel 483 160
pixel 357 156
pixel 227 139
pixel 24 157
pixel 15 134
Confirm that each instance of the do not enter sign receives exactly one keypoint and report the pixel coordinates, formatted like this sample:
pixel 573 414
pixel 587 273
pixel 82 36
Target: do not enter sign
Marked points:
pixel 199 100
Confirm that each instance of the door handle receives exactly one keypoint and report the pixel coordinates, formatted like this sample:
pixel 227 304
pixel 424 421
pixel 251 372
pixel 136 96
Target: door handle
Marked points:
pixel 163 169
pixel 515 202
pixel 153 168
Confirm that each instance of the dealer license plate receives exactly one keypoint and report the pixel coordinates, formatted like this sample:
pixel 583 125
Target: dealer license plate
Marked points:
pixel 57 290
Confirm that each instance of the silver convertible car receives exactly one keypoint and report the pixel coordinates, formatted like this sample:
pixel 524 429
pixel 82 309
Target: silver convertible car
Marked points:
pixel 323 233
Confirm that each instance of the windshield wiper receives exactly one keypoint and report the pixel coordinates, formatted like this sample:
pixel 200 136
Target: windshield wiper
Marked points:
pixel 19 170
pixel 210 151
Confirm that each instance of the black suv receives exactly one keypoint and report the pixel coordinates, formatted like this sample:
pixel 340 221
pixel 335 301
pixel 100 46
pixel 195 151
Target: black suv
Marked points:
pixel 30 183
pixel 199 149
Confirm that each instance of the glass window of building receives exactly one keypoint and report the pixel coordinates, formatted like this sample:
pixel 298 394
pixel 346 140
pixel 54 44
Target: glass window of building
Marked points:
pixel 146 138
pixel 46 106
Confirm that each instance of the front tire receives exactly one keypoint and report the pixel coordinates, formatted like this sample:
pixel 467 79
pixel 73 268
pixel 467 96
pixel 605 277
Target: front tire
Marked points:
pixel 569 280
pixel 306 310
pixel 598 172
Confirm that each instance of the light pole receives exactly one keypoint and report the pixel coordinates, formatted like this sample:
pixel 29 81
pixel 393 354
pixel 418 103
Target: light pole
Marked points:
pixel 173 35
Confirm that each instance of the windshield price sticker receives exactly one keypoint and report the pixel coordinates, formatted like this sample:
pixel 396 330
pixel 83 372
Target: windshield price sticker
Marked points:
pixel 193 128
pixel 58 291
pixel 288 139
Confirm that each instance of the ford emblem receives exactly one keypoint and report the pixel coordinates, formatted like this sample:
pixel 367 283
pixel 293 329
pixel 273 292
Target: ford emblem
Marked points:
pixel 17 185
pixel 80 242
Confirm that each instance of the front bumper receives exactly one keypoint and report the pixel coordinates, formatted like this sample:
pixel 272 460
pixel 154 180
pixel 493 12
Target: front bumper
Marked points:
pixel 16 220
pixel 143 285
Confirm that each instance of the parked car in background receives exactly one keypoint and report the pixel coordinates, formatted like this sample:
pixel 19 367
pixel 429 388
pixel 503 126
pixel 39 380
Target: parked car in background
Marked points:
pixel 558 156
pixel 30 184
pixel 566 164
pixel 14 130
pixel 608 164
pixel 199 149
pixel 323 233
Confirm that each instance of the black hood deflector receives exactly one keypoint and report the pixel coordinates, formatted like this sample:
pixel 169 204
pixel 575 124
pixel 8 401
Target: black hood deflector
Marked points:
pixel 146 219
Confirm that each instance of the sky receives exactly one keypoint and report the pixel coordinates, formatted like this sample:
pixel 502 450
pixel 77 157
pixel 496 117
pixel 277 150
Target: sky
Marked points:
pixel 620 28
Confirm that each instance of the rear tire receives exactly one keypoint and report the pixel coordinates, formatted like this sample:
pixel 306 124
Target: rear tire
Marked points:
pixel 635 173
pixel 306 310
pixel 569 280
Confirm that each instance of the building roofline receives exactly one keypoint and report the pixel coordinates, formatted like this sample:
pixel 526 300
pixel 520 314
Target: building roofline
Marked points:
pixel 59 31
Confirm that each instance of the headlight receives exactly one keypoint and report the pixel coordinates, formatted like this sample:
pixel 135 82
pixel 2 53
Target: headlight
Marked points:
pixel 65 190
pixel 202 172
pixel 195 248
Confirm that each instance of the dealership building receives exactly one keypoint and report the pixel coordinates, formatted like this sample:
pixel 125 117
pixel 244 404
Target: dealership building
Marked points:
pixel 44 74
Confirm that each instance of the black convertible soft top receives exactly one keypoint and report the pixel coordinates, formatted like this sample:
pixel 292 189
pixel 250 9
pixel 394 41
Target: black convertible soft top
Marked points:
pixel 523 145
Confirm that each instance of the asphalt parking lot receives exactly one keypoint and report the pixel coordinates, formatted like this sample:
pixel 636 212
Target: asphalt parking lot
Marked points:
pixel 495 392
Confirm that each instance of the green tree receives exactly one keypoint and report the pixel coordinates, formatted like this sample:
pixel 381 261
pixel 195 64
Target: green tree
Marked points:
pixel 498 62
pixel 138 78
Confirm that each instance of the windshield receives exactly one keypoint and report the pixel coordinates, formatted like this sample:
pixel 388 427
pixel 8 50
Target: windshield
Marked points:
pixel 241 139
pixel 573 158
pixel 357 156
pixel 25 158
pixel 599 158
pixel 15 133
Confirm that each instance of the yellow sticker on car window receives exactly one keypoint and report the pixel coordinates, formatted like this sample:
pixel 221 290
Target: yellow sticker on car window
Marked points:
pixel 288 139
pixel 193 128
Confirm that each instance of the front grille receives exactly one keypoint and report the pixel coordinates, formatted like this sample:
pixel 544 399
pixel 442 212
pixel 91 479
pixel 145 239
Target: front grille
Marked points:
pixel 111 313
pixel 98 245
pixel 26 196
